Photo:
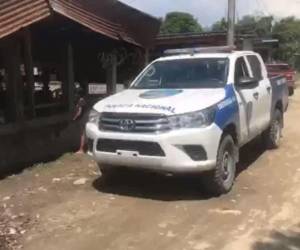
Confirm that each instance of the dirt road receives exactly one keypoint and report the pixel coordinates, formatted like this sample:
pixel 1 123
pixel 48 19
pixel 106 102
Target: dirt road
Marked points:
pixel 66 205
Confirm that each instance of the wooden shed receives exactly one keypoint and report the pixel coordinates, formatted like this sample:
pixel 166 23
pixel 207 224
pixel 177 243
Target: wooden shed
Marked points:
pixel 50 48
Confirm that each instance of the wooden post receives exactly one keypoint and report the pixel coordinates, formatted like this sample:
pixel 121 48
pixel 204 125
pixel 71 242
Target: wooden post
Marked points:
pixel 147 56
pixel 248 44
pixel 114 75
pixel 111 75
pixel 270 55
pixel 70 77
pixel 108 80
pixel 28 61
pixel 15 85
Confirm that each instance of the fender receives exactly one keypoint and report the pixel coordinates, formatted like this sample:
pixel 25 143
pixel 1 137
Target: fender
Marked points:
pixel 228 110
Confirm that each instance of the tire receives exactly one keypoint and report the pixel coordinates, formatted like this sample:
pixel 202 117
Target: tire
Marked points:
pixel 273 135
pixel 221 179
pixel 108 172
pixel 112 173
pixel 291 91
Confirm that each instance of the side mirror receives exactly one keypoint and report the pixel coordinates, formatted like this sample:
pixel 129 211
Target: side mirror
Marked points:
pixel 247 82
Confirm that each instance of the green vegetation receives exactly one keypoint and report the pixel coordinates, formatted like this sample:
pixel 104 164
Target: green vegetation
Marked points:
pixel 287 31
pixel 220 26
pixel 180 22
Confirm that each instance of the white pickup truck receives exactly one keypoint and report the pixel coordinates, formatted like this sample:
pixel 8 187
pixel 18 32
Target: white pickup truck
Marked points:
pixel 189 112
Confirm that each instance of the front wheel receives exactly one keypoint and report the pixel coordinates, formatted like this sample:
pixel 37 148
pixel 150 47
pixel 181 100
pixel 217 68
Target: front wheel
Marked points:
pixel 113 174
pixel 221 179
pixel 107 171
pixel 291 91
pixel 273 135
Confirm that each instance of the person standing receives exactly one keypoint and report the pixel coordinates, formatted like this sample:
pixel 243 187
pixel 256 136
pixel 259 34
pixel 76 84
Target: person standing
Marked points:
pixel 81 116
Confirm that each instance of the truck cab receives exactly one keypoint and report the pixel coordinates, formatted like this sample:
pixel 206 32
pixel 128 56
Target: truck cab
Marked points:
pixel 189 112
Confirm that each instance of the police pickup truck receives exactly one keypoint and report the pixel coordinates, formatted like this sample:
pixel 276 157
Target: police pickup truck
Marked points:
pixel 189 112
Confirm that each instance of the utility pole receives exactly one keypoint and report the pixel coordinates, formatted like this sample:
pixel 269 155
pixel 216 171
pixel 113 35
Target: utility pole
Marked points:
pixel 231 22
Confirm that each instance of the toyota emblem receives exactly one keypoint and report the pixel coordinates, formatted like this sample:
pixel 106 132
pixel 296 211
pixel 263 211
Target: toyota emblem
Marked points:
pixel 127 125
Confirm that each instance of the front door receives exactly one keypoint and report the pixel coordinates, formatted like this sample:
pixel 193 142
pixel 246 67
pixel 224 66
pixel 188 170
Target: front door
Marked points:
pixel 247 101
pixel 264 97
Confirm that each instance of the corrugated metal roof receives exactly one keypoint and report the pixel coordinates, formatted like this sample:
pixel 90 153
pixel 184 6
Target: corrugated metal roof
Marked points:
pixel 79 12
pixel 16 14
pixel 139 25
pixel 108 17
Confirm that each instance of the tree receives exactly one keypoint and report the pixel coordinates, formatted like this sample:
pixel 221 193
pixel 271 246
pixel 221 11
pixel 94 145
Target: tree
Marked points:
pixel 180 22
pixel 265 25
pixel 247 25
pixel 257 25
pixel 287 31
pixel 220 26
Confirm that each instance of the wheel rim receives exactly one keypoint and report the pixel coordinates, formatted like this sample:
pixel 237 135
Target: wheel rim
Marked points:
pixel 227 167
pixel 277 132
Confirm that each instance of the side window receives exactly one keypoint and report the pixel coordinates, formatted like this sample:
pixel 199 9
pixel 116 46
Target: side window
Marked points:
pixel 255 66
pixel 241 69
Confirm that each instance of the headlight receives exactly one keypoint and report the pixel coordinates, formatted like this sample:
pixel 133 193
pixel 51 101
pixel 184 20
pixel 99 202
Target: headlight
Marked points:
pixel 94 117
pixel 198 119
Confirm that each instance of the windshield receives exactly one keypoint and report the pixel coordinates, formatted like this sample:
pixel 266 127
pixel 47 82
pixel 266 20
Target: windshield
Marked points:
pixel 184 73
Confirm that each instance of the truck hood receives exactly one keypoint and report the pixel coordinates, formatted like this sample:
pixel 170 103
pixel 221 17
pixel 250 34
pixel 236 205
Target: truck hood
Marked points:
pixel 163 101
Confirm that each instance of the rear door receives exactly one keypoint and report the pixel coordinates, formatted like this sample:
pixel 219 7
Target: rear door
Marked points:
pixel 247 102
pixel 263 95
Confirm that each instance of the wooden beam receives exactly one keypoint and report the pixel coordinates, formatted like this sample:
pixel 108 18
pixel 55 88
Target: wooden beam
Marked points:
pixel 28 62
pixel 15 86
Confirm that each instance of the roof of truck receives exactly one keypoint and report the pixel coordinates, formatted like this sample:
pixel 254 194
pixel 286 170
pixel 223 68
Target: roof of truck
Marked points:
pixel 206 55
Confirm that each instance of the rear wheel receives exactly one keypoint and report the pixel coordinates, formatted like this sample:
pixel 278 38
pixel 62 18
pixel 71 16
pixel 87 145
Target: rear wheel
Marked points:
pixel 273 135
pixel 221 179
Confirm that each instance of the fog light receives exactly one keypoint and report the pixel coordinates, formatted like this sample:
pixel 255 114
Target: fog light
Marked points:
pixel 195 152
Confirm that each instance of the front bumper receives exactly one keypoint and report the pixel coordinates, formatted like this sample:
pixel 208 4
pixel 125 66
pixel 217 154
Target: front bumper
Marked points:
pixel 176 160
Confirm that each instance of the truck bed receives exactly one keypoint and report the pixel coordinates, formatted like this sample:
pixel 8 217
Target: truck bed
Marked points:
pixel 280 92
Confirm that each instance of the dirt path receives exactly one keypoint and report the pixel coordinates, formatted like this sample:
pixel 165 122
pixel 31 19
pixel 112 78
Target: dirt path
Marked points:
pixel 66 205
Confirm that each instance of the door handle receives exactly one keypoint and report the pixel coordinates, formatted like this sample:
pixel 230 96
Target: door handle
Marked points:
pixel 256 95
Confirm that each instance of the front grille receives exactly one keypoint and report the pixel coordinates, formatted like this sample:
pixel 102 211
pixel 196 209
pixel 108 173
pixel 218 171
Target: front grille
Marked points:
pixel 134 123
pixel 144 148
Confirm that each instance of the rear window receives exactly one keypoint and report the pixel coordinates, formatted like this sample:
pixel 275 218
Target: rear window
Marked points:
pixel 255 66
pixel 240 69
